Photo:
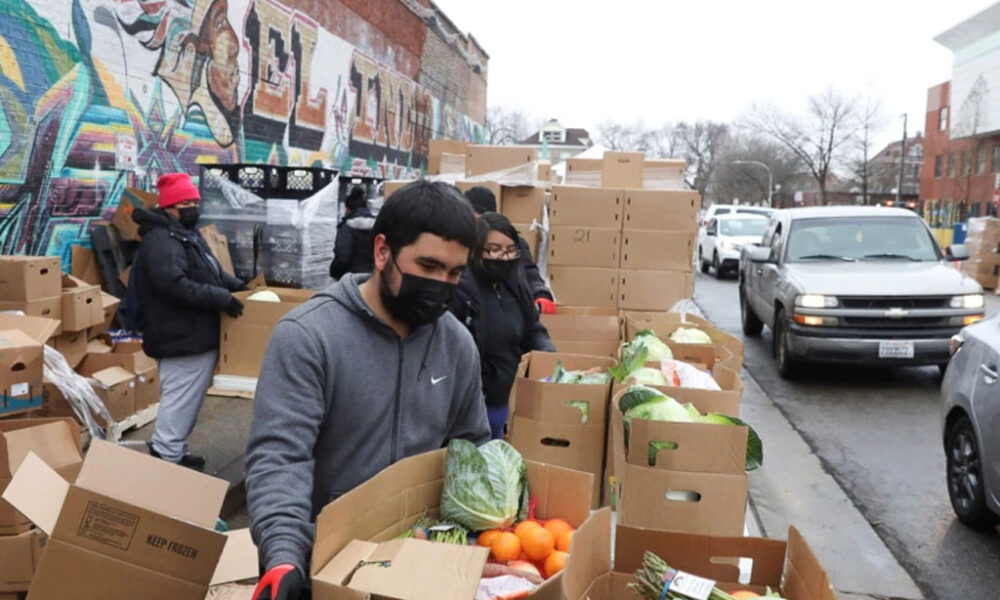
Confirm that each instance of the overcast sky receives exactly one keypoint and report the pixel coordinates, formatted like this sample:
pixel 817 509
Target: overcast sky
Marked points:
pixel 584 62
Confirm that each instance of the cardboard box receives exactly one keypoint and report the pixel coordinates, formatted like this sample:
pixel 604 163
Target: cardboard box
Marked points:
pixel 529 235
pixel 725 400
pixel 576 246
pixel 54 403
pixel 46 308
pixel 622 169
pixel 115 386
pixel 658 250
pixel 439 147
pixel 586 206
pixel 465 186
pixel 109 306
pixel 21 361
pixel 82 307
pixel 789 567
pixel 522 203
pixel 25 278
pixel 391 502
pixel 72 345
pixel 544 427
pixel 489 159
pixel 244 339
pixel 728 349
pixel 594 332
pixel 19 557
pixel 653 290
pixel 390 186
pixel 131 199
pixel 129 356
pixel 661 210
pixel 56 441
pixel 584 286
pixel 584 171
pixel 219 246
pixel 664 174
pixel 83 265
pixel 110 539
pixel 544 171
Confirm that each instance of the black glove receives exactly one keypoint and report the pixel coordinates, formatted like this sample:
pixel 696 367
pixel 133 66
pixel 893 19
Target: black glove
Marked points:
pixel 242 287
pixel 235 307
pixel 283 582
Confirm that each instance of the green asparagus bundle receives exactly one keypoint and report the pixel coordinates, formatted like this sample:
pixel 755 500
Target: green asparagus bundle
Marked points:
pixel 652 578
pixel 433 530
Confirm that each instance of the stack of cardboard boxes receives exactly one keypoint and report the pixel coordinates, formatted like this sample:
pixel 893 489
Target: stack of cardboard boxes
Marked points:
pixel 983 241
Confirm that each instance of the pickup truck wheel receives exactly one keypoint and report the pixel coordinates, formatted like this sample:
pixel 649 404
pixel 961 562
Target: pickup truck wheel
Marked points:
pixel 965 476
pixel 704 263
pixel 783 357
pixel 716 265
pixel 752 326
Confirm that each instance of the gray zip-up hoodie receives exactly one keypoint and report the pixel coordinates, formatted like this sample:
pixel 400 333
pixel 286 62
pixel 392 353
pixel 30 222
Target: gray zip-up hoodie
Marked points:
pixel 340 397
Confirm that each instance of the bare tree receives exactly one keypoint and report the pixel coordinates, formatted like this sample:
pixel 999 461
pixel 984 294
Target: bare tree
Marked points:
pixel 701 144
pixel 970 124
pixel 747 182
pixel 818 139
pixel 870 121
pixel 636 137
pixel 506 126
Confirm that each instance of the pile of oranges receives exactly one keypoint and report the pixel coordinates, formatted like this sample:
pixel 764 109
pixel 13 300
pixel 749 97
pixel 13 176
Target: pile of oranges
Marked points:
pixel 542 543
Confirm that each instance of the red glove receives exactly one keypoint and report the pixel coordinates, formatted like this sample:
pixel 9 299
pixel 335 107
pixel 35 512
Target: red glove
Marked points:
pixel 545 306
pixel 283 582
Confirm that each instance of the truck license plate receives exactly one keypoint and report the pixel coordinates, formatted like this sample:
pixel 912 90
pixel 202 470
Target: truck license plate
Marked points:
pixel 895 349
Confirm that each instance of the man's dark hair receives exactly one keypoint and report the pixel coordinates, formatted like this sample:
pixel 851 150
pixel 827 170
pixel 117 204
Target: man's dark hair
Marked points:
pixel 356 198
pixel 483 199
pixel 426 207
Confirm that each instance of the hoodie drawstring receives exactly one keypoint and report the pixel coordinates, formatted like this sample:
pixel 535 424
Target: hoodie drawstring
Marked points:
pixel 427 351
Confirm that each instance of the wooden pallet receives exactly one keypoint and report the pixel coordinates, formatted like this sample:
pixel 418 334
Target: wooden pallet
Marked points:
pixel 139 419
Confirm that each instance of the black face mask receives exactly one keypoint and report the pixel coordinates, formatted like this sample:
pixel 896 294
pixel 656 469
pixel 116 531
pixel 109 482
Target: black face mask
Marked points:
pixel 497 270
pixel 188 216
pixel 420 300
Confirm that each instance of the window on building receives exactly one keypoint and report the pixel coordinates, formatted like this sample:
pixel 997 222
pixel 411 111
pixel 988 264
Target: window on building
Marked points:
pixel 981 161
pixel 996 158
pixel 554 137
pixel 951 164
pixel 966 163
pixel 916 171
pixel 938 163
pixel 943 119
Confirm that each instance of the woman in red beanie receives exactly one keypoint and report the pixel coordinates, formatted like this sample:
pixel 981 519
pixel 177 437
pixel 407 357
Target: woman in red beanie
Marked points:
pixel 180 290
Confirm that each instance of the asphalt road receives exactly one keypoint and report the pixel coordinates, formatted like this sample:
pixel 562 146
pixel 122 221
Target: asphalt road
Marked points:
pixel 876 431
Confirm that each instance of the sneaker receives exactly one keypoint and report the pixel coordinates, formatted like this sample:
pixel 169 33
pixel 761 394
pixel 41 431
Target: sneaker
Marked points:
pixel 191 461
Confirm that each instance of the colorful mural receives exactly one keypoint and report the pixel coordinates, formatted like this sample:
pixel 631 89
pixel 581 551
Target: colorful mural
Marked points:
pixel 105 94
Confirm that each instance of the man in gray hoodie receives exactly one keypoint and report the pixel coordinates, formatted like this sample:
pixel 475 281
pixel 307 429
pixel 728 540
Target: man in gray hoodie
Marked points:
pixel 367 372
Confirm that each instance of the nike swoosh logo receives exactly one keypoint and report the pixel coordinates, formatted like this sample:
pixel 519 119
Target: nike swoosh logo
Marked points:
pixel 437 380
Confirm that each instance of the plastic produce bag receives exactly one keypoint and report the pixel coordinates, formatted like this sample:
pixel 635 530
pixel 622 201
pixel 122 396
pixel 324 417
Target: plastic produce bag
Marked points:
pixel 689 375
pixel 77 391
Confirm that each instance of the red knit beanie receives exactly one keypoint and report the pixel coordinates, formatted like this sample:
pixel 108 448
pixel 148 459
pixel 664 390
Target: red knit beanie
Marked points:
pixel 175 188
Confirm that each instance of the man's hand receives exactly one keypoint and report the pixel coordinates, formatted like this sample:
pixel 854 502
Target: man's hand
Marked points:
pixel 545 306
pixel 283 582
pixel 235 307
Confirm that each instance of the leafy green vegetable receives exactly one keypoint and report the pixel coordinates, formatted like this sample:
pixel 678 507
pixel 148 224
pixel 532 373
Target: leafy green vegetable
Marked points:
pixel 689 335
pixel 656 447
pixel 663 408
pixel 755 447
pixel 561 375
pixel 657 349
pixel 583 406
pixel 636 395
pixel 485 487
pixel 648 376
pixel 634 356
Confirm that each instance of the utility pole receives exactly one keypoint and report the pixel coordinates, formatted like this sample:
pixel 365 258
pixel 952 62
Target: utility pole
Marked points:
pixel 770 178
pixel 902 166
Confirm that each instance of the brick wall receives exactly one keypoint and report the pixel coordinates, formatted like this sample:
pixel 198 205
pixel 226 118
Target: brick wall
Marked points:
pixel 100 95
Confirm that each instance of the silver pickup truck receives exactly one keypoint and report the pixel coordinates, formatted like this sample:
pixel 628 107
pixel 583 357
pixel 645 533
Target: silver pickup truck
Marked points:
pixel 861 285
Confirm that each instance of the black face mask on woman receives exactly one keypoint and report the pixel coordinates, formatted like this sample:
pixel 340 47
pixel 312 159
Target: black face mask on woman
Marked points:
pixel 188 216
pixel 420 300
pixel 497 270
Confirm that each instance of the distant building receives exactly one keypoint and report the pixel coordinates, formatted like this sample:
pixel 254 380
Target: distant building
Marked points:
pixel 883 174
pixel 562 142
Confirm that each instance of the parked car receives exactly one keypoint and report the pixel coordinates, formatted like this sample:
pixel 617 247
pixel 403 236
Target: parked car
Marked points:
pixel 716 210
pixel 970 412
pixel 721 241
pixel 858 285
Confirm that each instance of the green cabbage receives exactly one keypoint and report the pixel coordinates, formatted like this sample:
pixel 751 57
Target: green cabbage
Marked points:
pixel 755 447
pixel 648 376
pixel 657 349
pixel 264 296
pixel 561 375
pixel 644 347
pixel 484 487
pixel 689 335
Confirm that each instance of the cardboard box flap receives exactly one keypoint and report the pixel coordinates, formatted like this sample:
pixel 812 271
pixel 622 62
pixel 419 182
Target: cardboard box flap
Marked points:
pixel 38 328
pixel 805 577
pixel 556 488
pixel 701 447
pixel 112 376
pixel 589 556
pixel 443 570
pixel 239 559
pixel 37 492
pixel 167 489
pixel 543 364
pixel 582 327
pixel 56 442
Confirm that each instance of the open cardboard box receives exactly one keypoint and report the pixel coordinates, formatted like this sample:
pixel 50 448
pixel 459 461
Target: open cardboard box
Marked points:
pixel 244 339
pixel 110 539
pixel 82 307
pixel 55 440
pixel 387 505
pixel 593 331
pixel 72 345
pixel 129 356
pixel 19 557
pixel 545 428
pixel 22 355
pixel 789 567
pixel 115 386
pixel 131 200
pixel 725 401
pixel 728 348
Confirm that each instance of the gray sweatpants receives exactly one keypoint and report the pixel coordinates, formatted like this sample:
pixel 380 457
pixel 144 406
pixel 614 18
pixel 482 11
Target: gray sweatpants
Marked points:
pixel 183 383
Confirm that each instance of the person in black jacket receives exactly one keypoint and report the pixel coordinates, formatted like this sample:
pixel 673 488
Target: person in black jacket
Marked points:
pixel 179 289
pixel 483 201
pixel 352 252
pixel 494 301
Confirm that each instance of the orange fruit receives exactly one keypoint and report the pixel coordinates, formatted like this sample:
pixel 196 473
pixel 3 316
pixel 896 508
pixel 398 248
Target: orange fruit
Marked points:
pixel 557 527
pixel 486 538
pixel 555 562
pixel 563 541
pixel 744 595
pixel 505 547
pixel 538 543
pixel 525 526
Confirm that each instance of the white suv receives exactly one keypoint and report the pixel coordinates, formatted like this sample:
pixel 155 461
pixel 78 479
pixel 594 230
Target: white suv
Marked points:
pixel 721 241
pixel 716 210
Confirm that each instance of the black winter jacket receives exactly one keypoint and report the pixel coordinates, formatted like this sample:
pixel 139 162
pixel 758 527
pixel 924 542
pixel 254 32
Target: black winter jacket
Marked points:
pixel 539 289
pixel 179 286
pixel 352 252
pixel 504 322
